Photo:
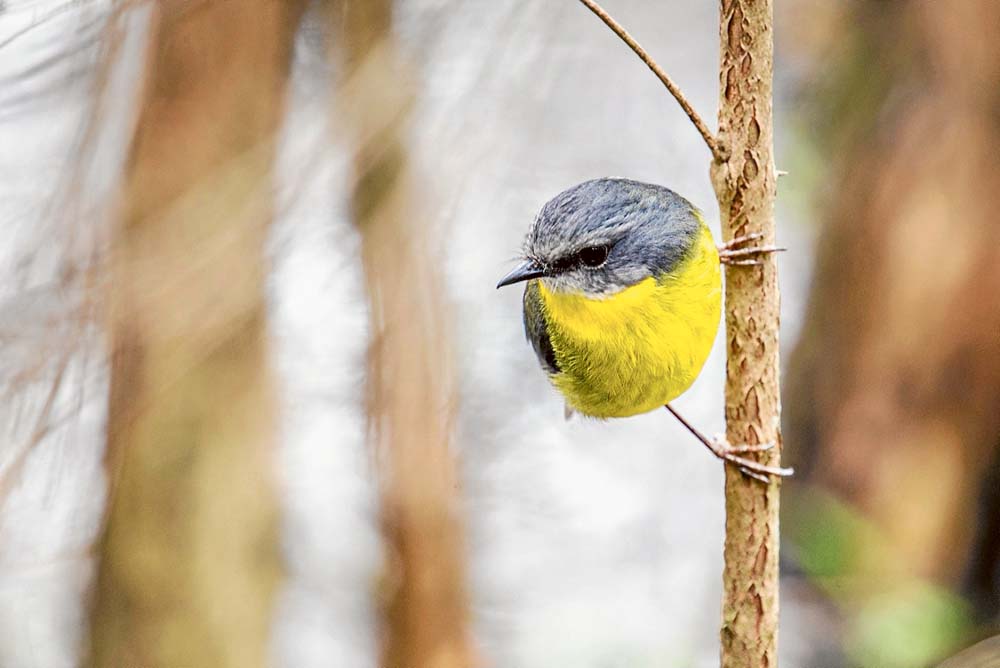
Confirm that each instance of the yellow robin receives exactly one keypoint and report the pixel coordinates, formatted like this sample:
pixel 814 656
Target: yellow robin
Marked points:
pixel 623 298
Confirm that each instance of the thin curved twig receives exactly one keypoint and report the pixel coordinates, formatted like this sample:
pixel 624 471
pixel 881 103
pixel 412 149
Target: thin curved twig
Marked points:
pixel 713 143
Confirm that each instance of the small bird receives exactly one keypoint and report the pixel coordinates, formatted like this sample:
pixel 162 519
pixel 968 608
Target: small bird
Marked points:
pixel 623 298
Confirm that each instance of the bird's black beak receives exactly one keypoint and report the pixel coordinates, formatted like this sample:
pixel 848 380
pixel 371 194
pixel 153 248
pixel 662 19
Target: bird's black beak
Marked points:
pixel 526 271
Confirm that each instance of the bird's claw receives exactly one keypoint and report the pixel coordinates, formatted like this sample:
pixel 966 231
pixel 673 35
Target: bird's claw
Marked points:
pixel 752 474
pixel 754 469
pixel 743 448
pixel 740 240
pixel 731 254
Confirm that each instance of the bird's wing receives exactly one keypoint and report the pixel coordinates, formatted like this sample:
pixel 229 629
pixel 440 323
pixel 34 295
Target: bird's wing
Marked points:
pixel 536 329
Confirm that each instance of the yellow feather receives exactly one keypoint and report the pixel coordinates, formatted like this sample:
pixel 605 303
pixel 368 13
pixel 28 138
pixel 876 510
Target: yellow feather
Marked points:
pixel 634 351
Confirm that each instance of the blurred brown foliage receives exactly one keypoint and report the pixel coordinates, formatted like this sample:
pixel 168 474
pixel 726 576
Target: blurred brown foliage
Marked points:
pixel 410 385
pixel 892 394
pixel 188 559
pixel 188 562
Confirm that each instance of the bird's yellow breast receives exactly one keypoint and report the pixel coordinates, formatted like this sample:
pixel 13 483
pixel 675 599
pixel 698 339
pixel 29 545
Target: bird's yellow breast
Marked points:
pixel 637 349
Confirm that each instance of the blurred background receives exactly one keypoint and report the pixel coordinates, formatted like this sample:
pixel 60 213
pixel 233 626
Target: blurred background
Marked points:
pixel 262 404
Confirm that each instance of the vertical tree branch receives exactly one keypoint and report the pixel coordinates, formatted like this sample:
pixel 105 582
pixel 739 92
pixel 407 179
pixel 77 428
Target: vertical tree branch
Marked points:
pixel 188 562
pixel 410 386
pixel 745 187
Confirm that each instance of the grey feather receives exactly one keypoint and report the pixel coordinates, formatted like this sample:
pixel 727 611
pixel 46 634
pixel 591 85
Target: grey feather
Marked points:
pixel 648 229
pixel 536 330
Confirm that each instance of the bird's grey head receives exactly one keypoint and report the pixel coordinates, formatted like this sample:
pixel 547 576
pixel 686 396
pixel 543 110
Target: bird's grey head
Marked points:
pixel 605 235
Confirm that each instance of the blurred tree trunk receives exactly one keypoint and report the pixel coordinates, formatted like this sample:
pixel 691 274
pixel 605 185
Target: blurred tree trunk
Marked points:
pixel 188 562
pixel 410 393
pixel 745 187
pixel 894 390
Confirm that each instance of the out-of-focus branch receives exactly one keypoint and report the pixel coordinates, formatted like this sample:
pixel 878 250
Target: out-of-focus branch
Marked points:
pixel 188 562
pixel 893 386
pixel 710 140
pixel 410 388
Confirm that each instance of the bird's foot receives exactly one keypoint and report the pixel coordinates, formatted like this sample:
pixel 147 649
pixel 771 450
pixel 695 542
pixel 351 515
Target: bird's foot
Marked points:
pixel 734 254
pixel 749 467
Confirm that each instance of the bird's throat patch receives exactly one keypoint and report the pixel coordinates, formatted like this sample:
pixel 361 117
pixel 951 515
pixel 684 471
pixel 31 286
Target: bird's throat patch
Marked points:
pixel 589 317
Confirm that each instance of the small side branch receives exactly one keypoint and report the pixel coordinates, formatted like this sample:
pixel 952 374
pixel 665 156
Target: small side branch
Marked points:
pixel 617 28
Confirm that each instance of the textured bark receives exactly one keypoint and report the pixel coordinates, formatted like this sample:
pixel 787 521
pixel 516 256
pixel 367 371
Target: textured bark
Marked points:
pixel 745 186
pixel 893 388
pixel 410 390
pixel 188 560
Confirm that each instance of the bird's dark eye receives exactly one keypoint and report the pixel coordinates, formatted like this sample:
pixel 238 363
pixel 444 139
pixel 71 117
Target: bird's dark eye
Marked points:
pixel 594 256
